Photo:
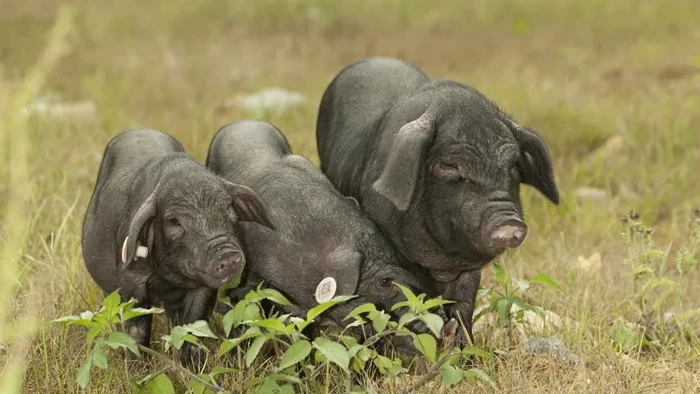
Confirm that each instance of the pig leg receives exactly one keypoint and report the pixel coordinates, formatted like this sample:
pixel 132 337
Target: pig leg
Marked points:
pixel 139 327
pixel 198 304
pixel 463 291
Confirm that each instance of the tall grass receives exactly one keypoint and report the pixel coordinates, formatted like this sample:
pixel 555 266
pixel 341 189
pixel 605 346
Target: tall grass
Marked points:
pixel 18 317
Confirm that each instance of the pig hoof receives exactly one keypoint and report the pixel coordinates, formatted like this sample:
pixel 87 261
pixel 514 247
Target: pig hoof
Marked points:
pixel 193 356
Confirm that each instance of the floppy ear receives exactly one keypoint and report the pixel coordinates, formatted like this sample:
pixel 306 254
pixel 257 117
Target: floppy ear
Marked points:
pixel 345 266
pixel 397 183
pixel 146 211
pixel 536 163
pixel 248 205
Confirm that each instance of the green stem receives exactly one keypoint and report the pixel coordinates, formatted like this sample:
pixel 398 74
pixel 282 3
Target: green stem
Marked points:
pixel 432 372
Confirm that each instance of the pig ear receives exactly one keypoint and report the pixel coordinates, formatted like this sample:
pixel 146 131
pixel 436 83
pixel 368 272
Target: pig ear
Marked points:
pixel 248 205
pixel 398 180
pixel 536 163
pixel 146 211
pixel 345 265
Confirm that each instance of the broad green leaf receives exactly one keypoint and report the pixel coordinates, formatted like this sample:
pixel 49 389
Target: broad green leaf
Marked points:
pixel 396 368
pixel 520 303
pixel 271 324
pixel 286 389
pixel 191 339
pixel 451 375
pixel 412 299
pixel 275 296
pixel 83 377
pixel 380 320
pixel 523 285
pixel 160 384
pixel 200 328
pixel 268 386
pixel 434 302
pixel 254 350
pixel 500 274
pixel 229 344
pixel 475 351
pixel 426 344
pixel 434 323
pixel 111 302
pixel 317 310
pixel 383 363
pixel 401 304
pixel 99 358
pixel 406 318
pixel 65 319
pixel 92 334
pixel 119 339
pixel 333 351
pixel 227 322
pixel 546 280
pixel 504 306
pixel 136 312
pixel 364 308
pixel 476 373
pixel 176 338
pixel 295 353
pixel 87 315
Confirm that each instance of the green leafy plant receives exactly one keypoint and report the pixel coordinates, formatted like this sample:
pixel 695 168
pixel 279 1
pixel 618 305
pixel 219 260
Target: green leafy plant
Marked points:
pixel 510 291
pixel 655 293
pixel 297 354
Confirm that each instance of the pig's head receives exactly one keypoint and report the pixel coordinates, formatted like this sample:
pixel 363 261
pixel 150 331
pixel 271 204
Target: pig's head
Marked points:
pixel 190 225
pixel 369 269
pixel 452 171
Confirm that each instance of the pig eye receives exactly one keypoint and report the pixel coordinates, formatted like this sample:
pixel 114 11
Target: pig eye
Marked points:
pixel 173 222
pixel 386 282
pixel 449 171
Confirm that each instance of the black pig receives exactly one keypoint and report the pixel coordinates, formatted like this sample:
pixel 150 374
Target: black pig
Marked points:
pixel 320 234
pixel 152 200
pixel 436 164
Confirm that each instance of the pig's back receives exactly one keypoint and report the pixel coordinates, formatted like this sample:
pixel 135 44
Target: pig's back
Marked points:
pixel 351 109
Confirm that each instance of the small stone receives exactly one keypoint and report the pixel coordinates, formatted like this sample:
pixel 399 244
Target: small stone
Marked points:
pixel 590 193
pixel 551 346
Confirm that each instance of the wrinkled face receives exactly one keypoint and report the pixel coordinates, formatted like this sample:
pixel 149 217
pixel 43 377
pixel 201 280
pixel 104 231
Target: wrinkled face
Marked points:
pixel 448 187
pixel 196 236
pixel 471 191
pixel 189 224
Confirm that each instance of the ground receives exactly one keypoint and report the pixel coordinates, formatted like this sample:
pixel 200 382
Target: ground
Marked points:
pixel 612 86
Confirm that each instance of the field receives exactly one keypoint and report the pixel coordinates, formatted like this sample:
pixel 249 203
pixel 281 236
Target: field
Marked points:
pixel 612 86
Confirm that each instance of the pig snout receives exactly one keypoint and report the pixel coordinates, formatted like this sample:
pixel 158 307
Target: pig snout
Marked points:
pixel 226 265
pixel 510 232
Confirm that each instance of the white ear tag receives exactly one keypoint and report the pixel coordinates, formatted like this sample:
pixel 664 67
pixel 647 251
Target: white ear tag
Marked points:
pixel 124 249
pixel 325 291
pixel 141 251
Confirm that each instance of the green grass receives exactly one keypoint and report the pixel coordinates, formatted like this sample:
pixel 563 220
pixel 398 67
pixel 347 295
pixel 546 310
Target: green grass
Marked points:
pixel 580 72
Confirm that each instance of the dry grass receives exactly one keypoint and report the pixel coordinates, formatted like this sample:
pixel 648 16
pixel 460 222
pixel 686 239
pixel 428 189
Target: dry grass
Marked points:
pixel 579 71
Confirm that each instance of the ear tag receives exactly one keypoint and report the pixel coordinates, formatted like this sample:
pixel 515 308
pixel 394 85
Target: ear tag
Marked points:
pixel 325 291
pixel 141 251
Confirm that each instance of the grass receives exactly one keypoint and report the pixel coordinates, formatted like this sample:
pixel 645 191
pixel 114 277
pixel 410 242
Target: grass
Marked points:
pixel 580 72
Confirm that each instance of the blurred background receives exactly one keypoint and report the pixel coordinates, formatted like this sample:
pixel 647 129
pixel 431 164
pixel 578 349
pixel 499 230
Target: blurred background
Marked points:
pixel 612 86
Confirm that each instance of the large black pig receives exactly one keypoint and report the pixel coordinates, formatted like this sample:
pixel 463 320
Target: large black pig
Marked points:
pixel 163 229
pixel 436 164
pixel 320 233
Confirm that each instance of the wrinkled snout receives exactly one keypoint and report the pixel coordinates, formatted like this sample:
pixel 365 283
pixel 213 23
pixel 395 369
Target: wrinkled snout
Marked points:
pixel 226 264
pixel 509 232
